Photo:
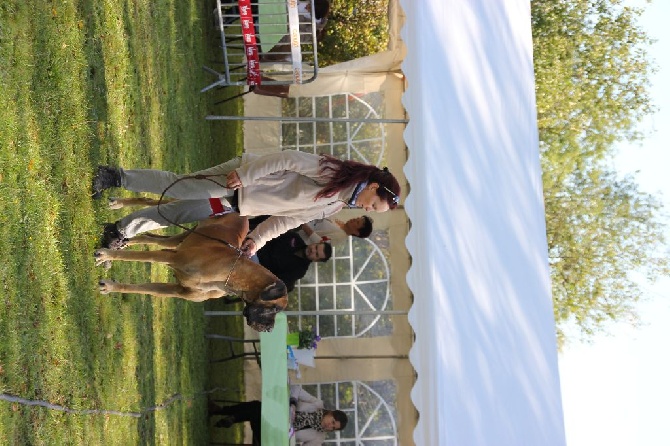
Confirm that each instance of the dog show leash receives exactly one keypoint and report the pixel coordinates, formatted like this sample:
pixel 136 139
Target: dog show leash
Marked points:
pixel 194 230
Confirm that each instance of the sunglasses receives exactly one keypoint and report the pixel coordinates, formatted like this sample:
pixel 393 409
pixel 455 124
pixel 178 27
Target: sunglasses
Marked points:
pixel 394 198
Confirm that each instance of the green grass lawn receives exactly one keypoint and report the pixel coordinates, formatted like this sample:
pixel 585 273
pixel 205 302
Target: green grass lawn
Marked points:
pixel 84 83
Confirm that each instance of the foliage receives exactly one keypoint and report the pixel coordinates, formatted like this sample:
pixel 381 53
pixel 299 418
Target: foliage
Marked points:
pixel 592 78
pixel 355 28
pixel 308 339
pixel 84 83
pixel 599 230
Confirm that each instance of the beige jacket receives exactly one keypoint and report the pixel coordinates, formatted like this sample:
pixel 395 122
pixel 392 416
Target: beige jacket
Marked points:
pixel 284 185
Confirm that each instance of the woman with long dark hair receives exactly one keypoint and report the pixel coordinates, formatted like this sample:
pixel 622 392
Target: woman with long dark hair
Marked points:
pixel 292 187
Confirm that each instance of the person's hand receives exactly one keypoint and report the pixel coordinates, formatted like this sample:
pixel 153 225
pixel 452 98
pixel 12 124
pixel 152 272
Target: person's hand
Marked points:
pixel 291 415
pixel 248 247
pixel 233 180
pixel 305 227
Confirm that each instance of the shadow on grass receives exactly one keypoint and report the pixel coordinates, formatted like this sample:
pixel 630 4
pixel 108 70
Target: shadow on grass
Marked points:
pixel 65 343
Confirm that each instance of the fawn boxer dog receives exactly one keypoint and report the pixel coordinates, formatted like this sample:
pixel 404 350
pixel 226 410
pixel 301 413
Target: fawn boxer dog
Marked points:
pixel 207 265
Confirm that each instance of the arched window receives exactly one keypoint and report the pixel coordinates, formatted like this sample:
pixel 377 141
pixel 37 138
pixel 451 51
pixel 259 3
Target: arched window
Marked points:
pixel 359 140
pixel 372 418
pixel 346 291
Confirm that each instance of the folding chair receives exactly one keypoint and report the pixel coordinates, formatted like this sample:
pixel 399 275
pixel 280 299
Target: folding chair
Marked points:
pixel 264 42
pixel 254 353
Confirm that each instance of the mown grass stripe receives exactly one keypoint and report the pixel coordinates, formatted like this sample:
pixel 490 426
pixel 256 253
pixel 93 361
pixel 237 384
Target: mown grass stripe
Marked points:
pixel 85 83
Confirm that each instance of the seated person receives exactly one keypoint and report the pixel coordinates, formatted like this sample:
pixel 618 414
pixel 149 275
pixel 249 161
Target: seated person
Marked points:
pixel 335 231
pixel 310 422
pixel 288 257
pixel 327 229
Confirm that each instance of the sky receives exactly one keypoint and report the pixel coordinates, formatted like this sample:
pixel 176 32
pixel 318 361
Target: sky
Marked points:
pixel 616 390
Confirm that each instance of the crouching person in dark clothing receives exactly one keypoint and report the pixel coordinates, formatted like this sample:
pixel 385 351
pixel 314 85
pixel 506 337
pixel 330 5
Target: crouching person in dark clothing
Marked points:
pixel 288 257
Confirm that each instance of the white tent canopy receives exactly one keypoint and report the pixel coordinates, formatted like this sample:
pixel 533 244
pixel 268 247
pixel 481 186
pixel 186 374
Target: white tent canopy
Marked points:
pixel 485 350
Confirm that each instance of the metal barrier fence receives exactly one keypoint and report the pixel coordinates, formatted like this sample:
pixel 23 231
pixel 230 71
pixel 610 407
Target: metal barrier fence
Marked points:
pixel 270 42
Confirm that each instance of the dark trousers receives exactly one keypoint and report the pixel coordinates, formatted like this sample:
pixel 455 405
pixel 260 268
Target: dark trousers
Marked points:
pixel 248 411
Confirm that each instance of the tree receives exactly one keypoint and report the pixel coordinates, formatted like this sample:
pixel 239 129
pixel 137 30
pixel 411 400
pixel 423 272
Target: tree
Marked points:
pixel 356 28
pixel 599 230
pixel 592 78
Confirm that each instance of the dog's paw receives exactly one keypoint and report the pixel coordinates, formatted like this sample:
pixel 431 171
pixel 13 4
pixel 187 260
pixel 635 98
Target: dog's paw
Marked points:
pixel 101 257
pixel 105 286
pixel 114 203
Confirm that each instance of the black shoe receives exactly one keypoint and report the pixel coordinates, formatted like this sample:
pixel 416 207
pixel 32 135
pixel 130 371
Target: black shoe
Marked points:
pixel 105 177
pixel 226 421
pixel 112 238
pixel 213 408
